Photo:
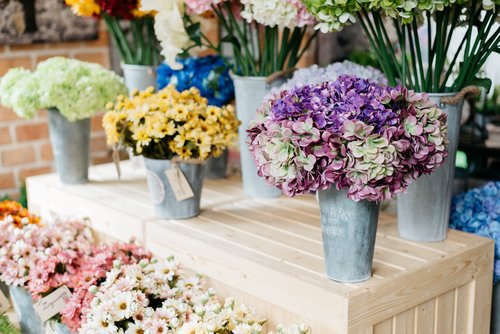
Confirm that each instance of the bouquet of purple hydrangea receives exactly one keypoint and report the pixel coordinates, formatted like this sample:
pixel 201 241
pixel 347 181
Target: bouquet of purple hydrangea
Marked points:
pixel 369 139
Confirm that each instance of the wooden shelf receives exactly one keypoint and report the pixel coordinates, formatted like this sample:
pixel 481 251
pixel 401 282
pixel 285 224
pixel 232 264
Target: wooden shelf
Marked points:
pixel 268 253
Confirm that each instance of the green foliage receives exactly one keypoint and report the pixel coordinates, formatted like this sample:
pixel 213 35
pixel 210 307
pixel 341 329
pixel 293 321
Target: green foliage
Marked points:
pixel 6 326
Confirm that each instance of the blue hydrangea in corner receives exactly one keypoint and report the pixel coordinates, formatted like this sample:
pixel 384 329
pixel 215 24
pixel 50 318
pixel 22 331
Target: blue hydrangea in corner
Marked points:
pixel 209 74
pixel 478 211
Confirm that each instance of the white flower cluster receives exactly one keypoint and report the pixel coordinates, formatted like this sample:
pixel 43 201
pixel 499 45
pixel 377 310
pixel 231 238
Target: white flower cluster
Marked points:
pixel 153 297
pixel 272 13
pixel 315 75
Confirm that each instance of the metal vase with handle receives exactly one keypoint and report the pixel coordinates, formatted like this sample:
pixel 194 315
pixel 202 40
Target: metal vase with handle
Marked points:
pixel 56 327
pixel 424 210
pixel 250 93
pixel 349 230
pixel 22 303
pixel 70 144
pixel 166 204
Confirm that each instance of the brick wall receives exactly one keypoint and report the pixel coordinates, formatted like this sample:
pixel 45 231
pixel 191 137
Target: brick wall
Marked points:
pixel 25 148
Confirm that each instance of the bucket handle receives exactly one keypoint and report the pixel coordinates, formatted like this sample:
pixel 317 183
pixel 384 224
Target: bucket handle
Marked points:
pixel 279 75
pixel 466 92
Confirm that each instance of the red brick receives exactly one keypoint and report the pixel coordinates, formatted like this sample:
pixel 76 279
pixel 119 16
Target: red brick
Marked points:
pixel 94 57
pixel 103 40
pixel 30 131
pixel 7 181
pixel 18 156
pixel 46 152
pixel 7 114
pixel 28 47
pixel 27 172
pixel 8 63
pixel 97 124
pixel 5 136
pixel 98 144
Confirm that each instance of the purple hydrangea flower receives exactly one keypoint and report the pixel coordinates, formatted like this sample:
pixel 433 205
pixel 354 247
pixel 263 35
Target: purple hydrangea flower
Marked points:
pixel 368 138
pixel 478 211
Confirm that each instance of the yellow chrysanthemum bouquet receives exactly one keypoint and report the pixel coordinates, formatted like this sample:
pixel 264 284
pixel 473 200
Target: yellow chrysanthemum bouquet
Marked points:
pixel 175 132
pixel 170 125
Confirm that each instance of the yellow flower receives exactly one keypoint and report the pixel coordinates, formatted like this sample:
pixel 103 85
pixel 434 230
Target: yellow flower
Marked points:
pixel 141 136
pixel 184 153
pixel 180 113
pixel 84 7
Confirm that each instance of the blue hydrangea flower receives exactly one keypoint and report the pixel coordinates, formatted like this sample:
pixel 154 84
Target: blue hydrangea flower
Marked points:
pixel 209 74
pixel 478 211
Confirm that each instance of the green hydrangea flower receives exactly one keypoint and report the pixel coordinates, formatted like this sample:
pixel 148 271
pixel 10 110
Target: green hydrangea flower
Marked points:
pixel 77 89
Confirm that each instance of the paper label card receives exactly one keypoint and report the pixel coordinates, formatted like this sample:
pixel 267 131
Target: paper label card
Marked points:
pixel 52 304
pixel 180 186
pixel 4 303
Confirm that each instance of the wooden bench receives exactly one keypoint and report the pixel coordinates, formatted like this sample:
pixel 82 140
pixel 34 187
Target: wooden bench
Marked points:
pixel 268 254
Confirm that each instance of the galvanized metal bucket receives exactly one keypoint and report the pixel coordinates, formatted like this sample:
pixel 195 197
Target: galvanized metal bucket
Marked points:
pixel 216 168
pixel 70 144
pixel 162 195
pixel 349 230
pixel 139 76
pixel 250 93
pixel 58 328
pixel 22 303
pixel 424 211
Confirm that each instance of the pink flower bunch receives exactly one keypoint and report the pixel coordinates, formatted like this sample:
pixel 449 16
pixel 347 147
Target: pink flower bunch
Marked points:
pixel 60 246
pixel 17 249
pixel 92 272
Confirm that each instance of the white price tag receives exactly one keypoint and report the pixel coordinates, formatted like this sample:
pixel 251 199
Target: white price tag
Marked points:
pixel 180 186
pixel 4 303
pixel 52 304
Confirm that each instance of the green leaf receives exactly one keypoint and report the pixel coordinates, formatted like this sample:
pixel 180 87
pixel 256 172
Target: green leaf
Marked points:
pixel 194 33
pixel 482 82
pixel 232 40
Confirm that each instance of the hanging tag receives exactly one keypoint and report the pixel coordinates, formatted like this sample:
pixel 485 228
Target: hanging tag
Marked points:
pixel 49 328
pixel 52 304
pixel 116 160
pixel 4 303
pixel 180 186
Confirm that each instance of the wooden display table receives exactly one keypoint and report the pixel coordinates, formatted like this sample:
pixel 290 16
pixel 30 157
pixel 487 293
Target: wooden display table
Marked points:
pixel 268 253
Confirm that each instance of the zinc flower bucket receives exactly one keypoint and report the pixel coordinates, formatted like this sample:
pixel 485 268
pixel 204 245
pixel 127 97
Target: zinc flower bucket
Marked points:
pixel 349 230
pixel 166 204
pixel 250 93
pixel 70 144
pixel 59 328
pixel 216 168
pixel 22 303
pixel 424 211
pixel 139 76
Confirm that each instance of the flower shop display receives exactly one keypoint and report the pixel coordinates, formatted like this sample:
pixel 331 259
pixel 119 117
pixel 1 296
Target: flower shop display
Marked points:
pixel 209 74
pixel 265 37
pixel 72 91
pixel 478 211
pixel 434 66
pixel 132 31
pixel 175 132
pixel 354 136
